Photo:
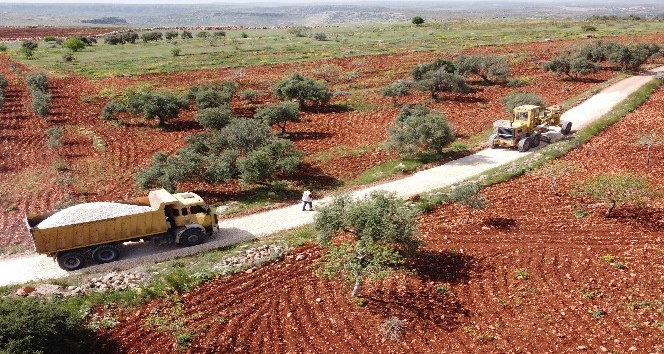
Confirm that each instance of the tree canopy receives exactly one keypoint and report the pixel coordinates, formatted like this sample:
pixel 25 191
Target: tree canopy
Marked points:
pixel 279 115
pixel 383 231
pixel 303 89
pixel 616 189
pixel 419 129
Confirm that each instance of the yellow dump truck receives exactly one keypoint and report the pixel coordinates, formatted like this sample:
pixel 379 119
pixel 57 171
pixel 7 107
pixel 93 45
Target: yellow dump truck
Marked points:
pixel 96 229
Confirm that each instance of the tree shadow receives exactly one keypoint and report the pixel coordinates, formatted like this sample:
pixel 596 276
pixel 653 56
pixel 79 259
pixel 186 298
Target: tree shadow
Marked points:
pixel 312 176
pixel 648 219
pixel 297 136
pixel 327 109
pixel 181 125
pixel 438 307
pixel 501 223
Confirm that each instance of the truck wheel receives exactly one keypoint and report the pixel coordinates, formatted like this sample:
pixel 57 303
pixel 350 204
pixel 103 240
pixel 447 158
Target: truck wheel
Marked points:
pixel 565 127
pixel 492 141
pixel 105 253
pixel 191 237
pixel 71 261
pixel 536 138
pixel 524 144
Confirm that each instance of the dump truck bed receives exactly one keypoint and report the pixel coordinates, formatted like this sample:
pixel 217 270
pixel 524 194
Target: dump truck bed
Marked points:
pixel 56 238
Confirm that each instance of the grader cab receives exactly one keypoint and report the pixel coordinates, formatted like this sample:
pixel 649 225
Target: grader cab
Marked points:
pixel 524 130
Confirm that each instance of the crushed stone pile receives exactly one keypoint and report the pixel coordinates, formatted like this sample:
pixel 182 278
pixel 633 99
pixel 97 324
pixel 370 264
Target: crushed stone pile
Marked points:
pixel 91 212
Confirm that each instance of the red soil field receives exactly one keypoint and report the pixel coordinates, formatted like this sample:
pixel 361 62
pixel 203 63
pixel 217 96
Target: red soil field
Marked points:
pixel 466 297
pixel 30 182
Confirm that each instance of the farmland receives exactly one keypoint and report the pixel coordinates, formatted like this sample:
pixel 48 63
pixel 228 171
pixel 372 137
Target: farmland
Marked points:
pixel 528 266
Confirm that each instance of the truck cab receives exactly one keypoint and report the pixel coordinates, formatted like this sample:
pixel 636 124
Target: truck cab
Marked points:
pixel 183 209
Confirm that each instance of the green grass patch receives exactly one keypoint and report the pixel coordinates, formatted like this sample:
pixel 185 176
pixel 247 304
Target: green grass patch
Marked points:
pixel 270 46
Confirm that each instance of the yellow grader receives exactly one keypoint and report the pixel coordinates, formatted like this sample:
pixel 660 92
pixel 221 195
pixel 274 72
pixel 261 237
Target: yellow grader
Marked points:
pixel 524 130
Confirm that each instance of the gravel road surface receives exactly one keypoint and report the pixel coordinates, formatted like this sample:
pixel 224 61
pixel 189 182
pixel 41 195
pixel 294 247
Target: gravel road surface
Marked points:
pixel 22 268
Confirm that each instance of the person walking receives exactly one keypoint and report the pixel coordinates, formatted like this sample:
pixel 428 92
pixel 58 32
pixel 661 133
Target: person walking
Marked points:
pixel 307 198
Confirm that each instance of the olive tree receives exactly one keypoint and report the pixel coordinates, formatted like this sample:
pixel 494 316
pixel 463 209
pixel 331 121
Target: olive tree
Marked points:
pixel 31 325
pixel 279 115
pixel 468 196
pixel 440 80
pixel 490 68
pixel 214 117
pixel 518 98
pixel 419 129
pixel 303 89
pixel 215 94
pixel 396 90
pixel 163 106
pixel 74 44
pixel 383 233
pixel 417 20
pixel 571 67
pixel 556 170
pixel 650 140
pixel 616 189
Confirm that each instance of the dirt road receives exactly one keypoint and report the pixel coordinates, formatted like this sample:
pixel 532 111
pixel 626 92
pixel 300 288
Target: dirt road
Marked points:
pixel 20 269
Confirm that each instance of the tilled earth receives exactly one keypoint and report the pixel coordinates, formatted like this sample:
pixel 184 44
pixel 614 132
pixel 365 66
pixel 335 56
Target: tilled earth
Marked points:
pixel 338 143
pixel 524 275
pixel 589 284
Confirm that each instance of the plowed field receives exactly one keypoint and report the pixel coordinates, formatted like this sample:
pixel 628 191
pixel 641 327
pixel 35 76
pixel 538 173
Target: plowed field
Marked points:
pixel 524 275
pixel 339 142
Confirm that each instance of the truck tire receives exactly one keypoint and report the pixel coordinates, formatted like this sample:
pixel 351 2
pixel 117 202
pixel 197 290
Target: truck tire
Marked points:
pixel 105 253
pixel 71 260
pixel 565 127
pixel 524 144
pixel 191 237
pixel 492 141
pixel 536 138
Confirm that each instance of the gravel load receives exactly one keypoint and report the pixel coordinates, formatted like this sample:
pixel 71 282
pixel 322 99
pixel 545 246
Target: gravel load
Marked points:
pixel 91 212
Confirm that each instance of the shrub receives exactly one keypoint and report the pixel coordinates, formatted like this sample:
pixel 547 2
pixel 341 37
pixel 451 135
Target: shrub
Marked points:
pixel 588 28
pixel 250 95
pixel 214 94
pixel 49 39
pixel 41 103
pixel 170 35
pixel 219 34
pixel 111 109
pixel 37 82
pixel 202 34
pixel 393 328
pixel 28 325
pixel 319 36
pixel 517 98
pixel 175 51
pixel 129 37
pixel 279 115
pixel 214 117
pixel 417 20
pixel 518 81
pixel 163 106
pixel 67 57
pixel 152 36
pixel 74 44
pixel 3 48
pixel 29 45
pixel 186 35
pixel 54 137
pixel 299 31
pixel 419 129
pixel 244 35
pixel 395 90
pixel 303 89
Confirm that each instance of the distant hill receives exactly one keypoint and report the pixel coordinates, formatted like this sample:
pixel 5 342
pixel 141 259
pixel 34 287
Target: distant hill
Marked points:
pixel 106 21
pixel 317 14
